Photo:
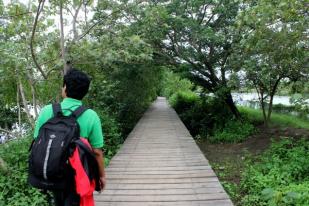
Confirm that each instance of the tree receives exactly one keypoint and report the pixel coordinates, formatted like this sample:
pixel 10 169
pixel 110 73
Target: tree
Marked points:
pixel 195 36
pixel 274 46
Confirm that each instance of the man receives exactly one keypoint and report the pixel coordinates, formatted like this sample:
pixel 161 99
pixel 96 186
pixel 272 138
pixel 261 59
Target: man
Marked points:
pixel 75 87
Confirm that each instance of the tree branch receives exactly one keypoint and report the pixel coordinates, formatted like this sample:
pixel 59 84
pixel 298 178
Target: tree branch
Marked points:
pixel 39 10
pixel 202 82
pixel 6 131
pixel 95 24
pixel 203 14
pixel 16 15
pixel 75 19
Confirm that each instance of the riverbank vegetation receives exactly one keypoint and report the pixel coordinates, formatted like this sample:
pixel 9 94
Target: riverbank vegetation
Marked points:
pixel 257 164
pixel 283 120
pixel 195 53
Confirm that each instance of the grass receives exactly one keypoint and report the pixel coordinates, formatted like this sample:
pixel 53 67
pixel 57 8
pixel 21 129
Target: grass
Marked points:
pixel 284 120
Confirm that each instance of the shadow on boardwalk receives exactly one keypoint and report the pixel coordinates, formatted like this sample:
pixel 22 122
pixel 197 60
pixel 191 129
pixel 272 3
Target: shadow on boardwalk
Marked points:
pixel 160 164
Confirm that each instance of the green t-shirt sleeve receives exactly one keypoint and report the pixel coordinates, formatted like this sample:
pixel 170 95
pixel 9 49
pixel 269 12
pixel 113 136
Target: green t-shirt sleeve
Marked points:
pixel 96 138
pixel 42 118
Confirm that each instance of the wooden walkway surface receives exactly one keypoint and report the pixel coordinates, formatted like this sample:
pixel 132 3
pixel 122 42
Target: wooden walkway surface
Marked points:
pixel 160 164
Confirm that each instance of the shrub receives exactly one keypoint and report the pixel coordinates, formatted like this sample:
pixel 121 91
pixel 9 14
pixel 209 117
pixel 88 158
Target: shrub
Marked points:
pixel 281 176
pixel 201 115
pixel 112 135
pixel 233 131
pixel 14 189
pixel 173 83
pixel 182 101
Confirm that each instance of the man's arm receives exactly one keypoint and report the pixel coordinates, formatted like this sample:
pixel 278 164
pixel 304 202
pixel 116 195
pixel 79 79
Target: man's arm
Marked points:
pixel 96 140
pixel 100 160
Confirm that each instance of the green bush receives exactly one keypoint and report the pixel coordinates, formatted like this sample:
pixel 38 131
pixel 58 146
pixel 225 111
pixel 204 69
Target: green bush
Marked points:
pixel 255 116
pixel 201 115
pixel 112 135
pixel 172 83
pixel 183 101
pixel 281 176
pixel 8 116
pixel 14 189
pixel 125 93
pixel 233 131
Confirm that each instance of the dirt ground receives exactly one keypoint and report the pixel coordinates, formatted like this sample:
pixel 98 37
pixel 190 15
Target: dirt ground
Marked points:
pixel 228 159
pixel 255 144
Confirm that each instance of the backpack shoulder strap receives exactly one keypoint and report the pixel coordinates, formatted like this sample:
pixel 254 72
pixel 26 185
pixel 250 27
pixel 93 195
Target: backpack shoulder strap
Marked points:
pixel 57 109
pixel 85 147
pixel 80 110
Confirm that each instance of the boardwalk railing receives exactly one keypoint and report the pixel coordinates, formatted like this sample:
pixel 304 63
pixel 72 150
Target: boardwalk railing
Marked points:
pixel 160 164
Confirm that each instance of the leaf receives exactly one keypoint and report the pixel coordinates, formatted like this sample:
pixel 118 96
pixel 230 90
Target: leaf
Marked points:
pixel 268 194
pixel 293 195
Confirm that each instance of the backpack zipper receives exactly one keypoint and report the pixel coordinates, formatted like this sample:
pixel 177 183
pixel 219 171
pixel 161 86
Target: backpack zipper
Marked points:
pixel 47 157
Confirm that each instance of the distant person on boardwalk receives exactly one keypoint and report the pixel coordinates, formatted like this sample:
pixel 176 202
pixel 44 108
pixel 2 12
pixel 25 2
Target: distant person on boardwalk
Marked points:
pixel 75 86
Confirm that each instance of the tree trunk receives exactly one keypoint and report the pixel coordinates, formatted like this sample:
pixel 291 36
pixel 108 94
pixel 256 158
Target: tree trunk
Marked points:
pixel 263 109
pixel 23 97
pixel 30 74
pixel 63 54
pixel 34 102
pixel 3 165
pixel 19 112
pixel 272 94
pixel 32 86
pixel 230 103
pixel 85 12
pixel 260 91
pixel 75 33
pixel 270 107
pixel 39 10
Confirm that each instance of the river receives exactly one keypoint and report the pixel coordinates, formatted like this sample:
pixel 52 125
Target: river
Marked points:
pixel 252 100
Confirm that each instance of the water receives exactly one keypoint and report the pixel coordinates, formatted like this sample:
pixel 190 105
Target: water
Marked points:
pixel 243 99
pixel 251 100
pixel 18 130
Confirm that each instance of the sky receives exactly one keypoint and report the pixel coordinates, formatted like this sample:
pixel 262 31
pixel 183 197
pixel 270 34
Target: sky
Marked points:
pixel 66 15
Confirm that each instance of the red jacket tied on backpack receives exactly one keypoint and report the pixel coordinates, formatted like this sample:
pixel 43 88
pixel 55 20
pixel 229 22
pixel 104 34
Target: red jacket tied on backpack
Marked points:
pixel 85 180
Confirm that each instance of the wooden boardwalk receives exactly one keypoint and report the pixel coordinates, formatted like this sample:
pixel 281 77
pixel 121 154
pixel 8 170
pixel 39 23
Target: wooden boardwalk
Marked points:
pixel 160 164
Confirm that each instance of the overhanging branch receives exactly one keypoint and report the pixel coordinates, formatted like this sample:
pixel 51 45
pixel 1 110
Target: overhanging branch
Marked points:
pixel 39 10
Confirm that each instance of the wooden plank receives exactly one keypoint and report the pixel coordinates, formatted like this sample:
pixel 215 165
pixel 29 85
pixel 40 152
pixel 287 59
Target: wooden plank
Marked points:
pixel 181 185
pixel 162 181
pixel 160 198
pixel 160 172
pixel 160 164
pixel 178 203
pixel 164 191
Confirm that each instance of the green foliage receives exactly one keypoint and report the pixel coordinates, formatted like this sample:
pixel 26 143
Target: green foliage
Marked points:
pixel 255 116
pixel 280 176
pixel 173 83
pixel 233 131
pixel 8 116
pixel 182 101
pixel 196 38
pixel 226 171
pixel 300 103
pixel 273 45
pixel 14 189
pixel 112 135
pixel 209 117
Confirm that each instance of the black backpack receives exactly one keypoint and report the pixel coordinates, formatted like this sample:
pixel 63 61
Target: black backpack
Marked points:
pixel 48 162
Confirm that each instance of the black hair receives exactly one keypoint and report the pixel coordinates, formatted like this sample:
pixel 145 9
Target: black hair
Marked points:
pixel 77 84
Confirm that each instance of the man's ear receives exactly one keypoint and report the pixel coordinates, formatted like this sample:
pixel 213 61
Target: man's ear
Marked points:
pixel 64 91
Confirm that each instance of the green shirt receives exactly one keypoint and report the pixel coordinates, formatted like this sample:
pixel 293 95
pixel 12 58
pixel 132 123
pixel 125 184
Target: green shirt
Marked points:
pixel 89 121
